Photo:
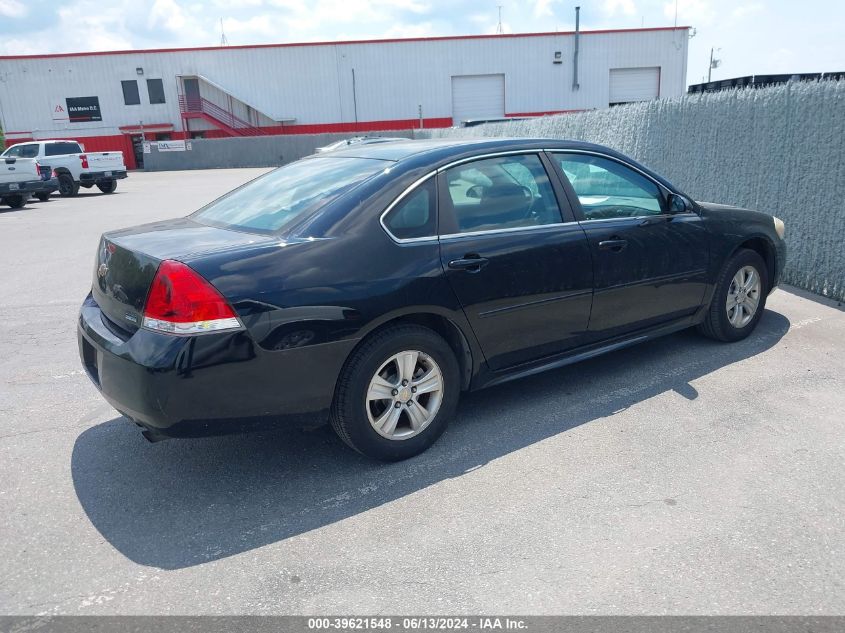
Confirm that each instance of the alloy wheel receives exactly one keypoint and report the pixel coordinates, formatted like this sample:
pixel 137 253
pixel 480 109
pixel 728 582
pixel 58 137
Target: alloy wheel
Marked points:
pixel 743 297
pixel 404 395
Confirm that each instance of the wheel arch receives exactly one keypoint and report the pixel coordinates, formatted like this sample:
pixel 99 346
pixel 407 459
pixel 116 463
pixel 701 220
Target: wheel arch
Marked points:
pixel 444 326
pixel 765 249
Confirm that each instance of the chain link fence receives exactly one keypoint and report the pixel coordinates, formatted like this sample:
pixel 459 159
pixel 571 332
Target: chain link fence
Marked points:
pixel 779 149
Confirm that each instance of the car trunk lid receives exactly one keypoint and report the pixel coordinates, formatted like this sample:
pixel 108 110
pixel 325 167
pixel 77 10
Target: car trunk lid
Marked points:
pixel 127 261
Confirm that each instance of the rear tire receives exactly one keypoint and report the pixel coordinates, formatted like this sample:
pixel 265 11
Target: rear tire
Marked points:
pixel 739 299
pixel 107 187
pixel 405 365
pixel 16 201
pixel 43 196
pixel 67 187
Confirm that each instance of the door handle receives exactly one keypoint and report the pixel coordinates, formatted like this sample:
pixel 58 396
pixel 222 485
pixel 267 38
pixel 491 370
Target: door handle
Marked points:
pixel 470 263
pixel 616 245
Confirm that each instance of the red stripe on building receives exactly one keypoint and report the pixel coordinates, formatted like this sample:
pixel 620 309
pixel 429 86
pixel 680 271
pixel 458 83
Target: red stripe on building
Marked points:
pixel 344 42
pixel 123 142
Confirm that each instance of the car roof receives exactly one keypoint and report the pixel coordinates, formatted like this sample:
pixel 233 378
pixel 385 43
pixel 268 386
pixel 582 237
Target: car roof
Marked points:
pixel 435 153
pixel 438 149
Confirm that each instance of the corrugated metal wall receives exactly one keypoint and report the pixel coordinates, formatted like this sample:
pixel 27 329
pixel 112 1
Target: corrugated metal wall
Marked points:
pixel 314 84
pixel 780 150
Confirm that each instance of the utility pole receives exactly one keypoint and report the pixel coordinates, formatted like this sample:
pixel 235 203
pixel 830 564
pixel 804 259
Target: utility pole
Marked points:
pixel 499 29
pixel 714 63
pixel 223 40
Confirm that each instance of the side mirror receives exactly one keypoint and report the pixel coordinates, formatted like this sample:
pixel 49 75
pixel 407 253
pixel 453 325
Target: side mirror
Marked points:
pixel 679 204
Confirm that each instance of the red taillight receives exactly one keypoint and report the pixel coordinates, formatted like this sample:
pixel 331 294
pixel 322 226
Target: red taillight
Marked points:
pixel 84 160
pixel 37 168
pixel 180 301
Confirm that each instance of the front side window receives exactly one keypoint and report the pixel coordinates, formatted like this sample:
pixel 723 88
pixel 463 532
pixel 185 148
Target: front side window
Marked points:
pixel 268 203
pixel 500 193
pixel 415 215
pixel 22 151
pixel 608 189
pixel 131 96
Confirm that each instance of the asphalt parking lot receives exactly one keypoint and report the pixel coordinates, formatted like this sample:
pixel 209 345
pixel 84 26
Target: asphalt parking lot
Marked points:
pixel 681 476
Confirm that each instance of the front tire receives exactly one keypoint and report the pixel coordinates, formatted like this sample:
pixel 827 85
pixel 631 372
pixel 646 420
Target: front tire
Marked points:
pixel 108 186
pixel 739 299
pixel 396 393
pixel 16 201
pixel 67 187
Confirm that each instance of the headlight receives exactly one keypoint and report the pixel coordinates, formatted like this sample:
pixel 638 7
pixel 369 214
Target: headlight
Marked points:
pixel 780 227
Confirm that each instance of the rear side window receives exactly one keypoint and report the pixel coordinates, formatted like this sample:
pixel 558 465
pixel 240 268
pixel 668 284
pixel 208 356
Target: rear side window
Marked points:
pixel 415 214
pixel 270 202
pixel 500 193
pixel 608 189
pixel 59 149
pixel 130 92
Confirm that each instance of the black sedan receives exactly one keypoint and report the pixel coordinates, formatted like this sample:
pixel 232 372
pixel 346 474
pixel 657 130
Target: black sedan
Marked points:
pixel 372 285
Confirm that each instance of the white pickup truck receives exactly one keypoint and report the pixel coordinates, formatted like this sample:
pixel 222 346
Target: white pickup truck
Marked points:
pixel 22 178
pixel 73 166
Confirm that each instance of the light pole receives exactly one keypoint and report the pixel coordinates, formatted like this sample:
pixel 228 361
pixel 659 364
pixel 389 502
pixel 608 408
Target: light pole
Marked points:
pixel 714 63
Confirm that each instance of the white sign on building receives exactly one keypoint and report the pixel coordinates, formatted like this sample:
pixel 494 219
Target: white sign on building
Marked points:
pixel 171 146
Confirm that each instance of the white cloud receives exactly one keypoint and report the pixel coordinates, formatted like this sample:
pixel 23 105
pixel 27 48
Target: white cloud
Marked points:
pixel 627 7
pixel 744 10
pixel 690 12
pixel 12 9
pixel 167 14
pixel 244 30
pixel 424 29
pixel 543 8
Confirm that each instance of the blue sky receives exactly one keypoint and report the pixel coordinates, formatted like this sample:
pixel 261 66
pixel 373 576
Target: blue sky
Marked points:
pixel 755 36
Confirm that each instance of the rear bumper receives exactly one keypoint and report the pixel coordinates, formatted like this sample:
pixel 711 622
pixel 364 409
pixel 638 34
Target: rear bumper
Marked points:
pixel 26 187
pixel 93 177
pixel 47 186
pixel 211 384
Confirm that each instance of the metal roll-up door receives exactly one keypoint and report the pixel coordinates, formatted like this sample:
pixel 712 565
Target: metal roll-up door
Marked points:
pixel 477 97
pixel 634 84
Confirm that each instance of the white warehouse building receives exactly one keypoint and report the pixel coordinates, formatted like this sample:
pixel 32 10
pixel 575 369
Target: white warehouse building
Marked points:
pixel 114 100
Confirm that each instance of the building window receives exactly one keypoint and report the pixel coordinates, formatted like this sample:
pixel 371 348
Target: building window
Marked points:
pixel 155 88
pixel 164 136
pixel 130 92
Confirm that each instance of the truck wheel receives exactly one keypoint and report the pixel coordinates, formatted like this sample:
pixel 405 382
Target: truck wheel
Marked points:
pixel 67 187
pixel 107 186
pixel 43 196
pixel 16 202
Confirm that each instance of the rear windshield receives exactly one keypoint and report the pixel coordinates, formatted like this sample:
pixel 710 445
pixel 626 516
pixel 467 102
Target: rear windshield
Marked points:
pixel 60 149
pixel 270 202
